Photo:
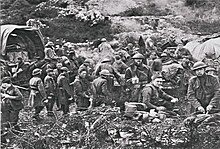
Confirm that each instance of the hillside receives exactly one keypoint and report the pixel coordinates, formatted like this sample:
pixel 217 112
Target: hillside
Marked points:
pixel 81 20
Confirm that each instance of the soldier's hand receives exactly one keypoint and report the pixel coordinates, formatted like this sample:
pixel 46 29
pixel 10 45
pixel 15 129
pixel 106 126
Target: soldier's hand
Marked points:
pixel 161 108
pixel 5 96
pixel 174 100
pixel 201 109
pixel 209 108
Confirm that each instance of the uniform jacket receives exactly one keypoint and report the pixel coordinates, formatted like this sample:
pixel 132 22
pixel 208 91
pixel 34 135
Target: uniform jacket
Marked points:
pixel 110 68
pixel 120 66
pixel 143 72
pixel 81 91
pixel 37 93
pixel 153 95
pixel 100 87
pixel 80 87
pixel 15 100
pixel 204 95
pixel 49 53
pixel 50 85
pixel 64 89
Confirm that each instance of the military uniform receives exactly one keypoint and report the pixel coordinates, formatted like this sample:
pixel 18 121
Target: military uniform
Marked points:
pixel 50 87
pixel 204 91
pixel 101 93
pixel 81 93
pixel 64 92
pixel 37 95
pixel 154 97
pixel 10 106
pixel 143 73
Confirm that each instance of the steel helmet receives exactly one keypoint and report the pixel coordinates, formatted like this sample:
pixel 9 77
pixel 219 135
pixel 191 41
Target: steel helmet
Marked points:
pixel 199 65
pixel 105 72
pixel 107 59
pixel 36 71
pixel 210 69
pixel 138 56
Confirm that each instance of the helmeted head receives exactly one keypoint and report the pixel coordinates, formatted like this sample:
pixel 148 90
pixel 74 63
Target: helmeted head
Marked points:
pixel 199 68
pixel 50 43
pixel 103 40
pixel 6 82
pixel 36 71
pixel 105 60
pixel 138 59
pixel 105 73
pixel 64 70
pixel 83 73
pixel 210 70
pixel 49 71
pixel 59 65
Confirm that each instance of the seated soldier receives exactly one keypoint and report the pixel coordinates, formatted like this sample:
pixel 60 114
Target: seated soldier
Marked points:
pixel 155 98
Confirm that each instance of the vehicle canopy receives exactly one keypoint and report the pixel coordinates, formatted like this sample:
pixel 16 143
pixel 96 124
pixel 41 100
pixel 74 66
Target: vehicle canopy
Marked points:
pixel 21 41
pixel 199 49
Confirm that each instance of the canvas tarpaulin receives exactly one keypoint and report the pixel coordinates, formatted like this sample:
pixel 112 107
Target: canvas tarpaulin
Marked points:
pixel 26 33
pixel 198 49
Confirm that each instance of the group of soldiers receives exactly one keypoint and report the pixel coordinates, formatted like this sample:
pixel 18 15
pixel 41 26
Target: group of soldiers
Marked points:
pixel 125 74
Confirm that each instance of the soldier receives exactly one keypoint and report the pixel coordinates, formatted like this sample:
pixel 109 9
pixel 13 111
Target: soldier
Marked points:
pixel 72 64
pixel 64 90
pixel 100 91
pixel 49 50
pixel 50 88
pixel 89 71
pixel 107 64
pixel 155 98
pixel 81 90
pixel 119 65
pixel 204 90
pixel 22 73
pixel 11 104
pixel 135 76
pixel 37 93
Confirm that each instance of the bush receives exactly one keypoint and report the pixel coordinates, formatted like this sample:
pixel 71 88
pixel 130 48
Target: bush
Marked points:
pixel 76 31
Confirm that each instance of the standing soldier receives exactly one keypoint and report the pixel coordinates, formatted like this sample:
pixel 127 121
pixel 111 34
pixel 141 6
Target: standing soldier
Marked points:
pixel 204 90
pixel 72 64
pixel 37 93
pixel 50 87
pixel 89 71
pixel 100 91
pixel 11 104
pixel 135 76
pixel 64 90
pixel 81 90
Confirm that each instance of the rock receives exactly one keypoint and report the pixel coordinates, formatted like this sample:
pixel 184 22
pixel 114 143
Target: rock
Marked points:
pixel 156 120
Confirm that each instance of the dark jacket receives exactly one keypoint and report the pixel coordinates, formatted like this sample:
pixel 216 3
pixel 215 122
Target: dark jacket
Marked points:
pixel 64 89
pixel 15 99
pixel 153 96
pixel 37 93
pixel 100 87
pixel 204 95
pixel 50 85
pixel 81 91
pixel 143 72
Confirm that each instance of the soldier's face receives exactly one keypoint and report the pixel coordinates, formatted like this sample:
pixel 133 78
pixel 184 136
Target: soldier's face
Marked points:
pixel 200 72
pixel 211 72
pixel 138 61
pixel 6 85
pixel 83 74
pixel 157 82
